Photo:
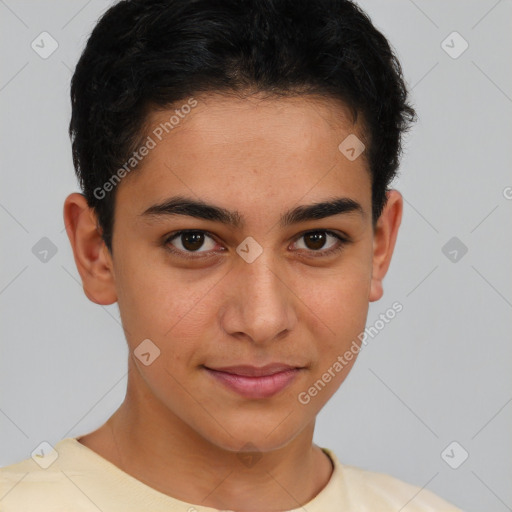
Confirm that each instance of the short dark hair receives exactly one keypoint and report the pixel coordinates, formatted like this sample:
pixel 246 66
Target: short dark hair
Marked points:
pixel 145 55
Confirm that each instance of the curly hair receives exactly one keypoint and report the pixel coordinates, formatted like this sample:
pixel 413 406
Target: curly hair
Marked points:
pixel 150 54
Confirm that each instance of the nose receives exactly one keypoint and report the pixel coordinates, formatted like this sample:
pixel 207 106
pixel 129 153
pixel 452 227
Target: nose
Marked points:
pixel 258 305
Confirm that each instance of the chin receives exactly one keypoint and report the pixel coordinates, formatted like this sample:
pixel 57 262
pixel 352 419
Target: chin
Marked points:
pixel 251 438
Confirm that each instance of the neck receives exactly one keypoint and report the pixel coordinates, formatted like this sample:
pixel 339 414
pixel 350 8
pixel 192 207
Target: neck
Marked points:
pixel 147 441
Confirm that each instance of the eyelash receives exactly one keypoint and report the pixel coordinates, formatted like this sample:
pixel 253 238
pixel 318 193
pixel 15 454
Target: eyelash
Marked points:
pixel 343 241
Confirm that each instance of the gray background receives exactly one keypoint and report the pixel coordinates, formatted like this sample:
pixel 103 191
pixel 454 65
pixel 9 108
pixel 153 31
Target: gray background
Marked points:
pixel 439 372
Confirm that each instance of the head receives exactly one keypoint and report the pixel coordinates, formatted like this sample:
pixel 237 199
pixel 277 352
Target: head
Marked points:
pixel 223 207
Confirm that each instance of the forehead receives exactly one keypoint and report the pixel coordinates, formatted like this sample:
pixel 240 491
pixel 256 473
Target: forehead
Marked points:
pixel 229 119
pixel 240 148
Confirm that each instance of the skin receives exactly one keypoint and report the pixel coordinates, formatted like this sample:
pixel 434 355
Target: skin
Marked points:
pixel 178 430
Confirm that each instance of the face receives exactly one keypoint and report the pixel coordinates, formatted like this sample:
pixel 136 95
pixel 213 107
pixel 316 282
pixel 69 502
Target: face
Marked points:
pixel 223 257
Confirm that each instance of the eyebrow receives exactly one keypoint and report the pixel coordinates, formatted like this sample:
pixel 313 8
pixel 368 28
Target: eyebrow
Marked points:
pixel 200 210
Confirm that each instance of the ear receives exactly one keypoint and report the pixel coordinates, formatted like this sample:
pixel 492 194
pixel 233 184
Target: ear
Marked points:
pixel 93 259
pixel 384 238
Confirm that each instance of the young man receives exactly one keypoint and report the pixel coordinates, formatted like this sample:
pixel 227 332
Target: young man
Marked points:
pixel 235 158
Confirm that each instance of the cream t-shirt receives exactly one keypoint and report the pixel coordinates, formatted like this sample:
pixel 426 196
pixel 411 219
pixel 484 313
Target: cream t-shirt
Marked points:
pixel 80 480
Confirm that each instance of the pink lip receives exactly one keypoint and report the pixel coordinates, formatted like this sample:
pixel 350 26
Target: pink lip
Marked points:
pixel 269 382
pixel 254 371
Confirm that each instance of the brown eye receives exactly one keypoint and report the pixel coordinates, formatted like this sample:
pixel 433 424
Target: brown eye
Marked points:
pixel 321 242
pixel 315 240
pixel 191 241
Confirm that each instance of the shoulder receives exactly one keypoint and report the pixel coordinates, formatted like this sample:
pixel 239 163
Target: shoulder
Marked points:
pixel 46 479
pixel 383 492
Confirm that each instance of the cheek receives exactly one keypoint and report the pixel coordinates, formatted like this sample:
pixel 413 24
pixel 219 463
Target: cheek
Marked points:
pixel 341 314
pixel 338 306
pixel 145 286
pixel 349 302
pixel 164 305
pixel 340 297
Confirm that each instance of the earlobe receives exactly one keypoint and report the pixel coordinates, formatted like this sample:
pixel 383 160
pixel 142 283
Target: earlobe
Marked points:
pixel 92 258
pixel 384 240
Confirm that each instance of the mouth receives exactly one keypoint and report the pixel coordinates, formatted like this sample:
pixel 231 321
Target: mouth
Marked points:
pixel 254 382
